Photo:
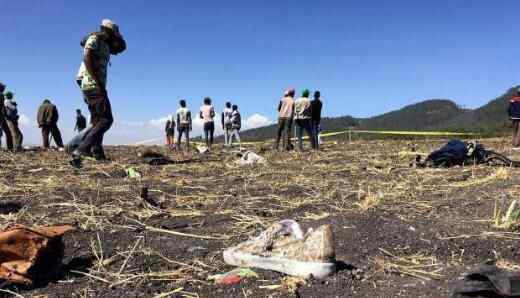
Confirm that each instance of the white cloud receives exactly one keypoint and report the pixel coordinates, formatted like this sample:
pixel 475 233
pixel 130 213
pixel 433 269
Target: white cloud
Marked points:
pixel 254 121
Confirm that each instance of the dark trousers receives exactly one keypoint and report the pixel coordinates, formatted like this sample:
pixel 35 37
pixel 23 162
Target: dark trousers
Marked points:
pixel 304 125
pixel 16 134
pixel 209 130
pixel 54 131
pixel 315 133
pixel 516 133
pixel 284 125
pixel 101 120
pixel 183 129
pixel 7 132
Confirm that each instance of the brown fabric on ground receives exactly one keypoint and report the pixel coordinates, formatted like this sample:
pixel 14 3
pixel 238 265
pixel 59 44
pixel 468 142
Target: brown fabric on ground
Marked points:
pixel 22 248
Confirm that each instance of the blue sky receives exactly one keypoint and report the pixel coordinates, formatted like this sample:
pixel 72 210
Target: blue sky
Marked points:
pixel 366 57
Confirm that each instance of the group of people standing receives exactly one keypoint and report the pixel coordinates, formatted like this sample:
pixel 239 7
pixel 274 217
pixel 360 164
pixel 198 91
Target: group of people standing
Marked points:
pixel 305 113
pixel 47 120
pixel 231 124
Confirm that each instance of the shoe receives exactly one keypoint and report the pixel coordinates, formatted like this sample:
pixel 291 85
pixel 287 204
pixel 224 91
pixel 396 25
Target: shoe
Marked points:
pixel 284 248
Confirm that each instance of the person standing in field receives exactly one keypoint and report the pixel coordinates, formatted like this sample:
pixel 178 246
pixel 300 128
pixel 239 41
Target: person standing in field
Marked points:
pixel 302 116
pixel 316 106
pixel 236 125
pixel 170 132
pixel 514 116
pixel 48 123
pixel 207 113
pixel 81 121
pixel 3 123
pixel 183 125
pixel 92 78
pixel 226 123
pixel 11 117
pixel 285 119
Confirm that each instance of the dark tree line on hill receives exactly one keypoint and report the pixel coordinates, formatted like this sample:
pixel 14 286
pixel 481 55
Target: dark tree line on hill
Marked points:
pixel 430 115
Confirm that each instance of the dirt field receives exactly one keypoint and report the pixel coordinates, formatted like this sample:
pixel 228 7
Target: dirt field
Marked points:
pixel 400 231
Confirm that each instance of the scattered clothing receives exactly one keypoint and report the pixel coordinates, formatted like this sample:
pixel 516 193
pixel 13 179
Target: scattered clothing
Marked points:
pixel 284 248
pixel 154 158
pixel 30 253
pixel 233 277
pixel 251 158
pixel 459 153
pixel 488 280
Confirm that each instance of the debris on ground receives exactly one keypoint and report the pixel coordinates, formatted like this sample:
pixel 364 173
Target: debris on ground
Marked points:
pixel 510 219
pixel 202 149
pixel 27 253
pixel 490 281
pixel 283 248
pixel 154 158
pixel 251 158
pixel 233 277
pixel 132 173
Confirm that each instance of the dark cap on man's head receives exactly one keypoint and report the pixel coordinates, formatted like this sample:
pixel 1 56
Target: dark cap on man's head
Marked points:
pixel 317 94
pixel 78 111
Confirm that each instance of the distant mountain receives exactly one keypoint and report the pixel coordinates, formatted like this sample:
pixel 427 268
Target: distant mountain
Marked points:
pixel 429 115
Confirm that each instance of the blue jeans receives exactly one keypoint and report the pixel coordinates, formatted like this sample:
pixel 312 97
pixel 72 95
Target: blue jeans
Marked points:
pixel 315 133
pixel 301 125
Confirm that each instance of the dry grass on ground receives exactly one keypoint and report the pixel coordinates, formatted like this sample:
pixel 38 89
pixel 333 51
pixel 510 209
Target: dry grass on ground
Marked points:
pixel 402 231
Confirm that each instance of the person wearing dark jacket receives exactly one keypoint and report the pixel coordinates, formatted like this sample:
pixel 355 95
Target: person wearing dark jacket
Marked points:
pixel 81 121
pixel 48 122
pixel 236 125
pixel 169 129
pixel 514 116
pixel 3 123
pixel 316 106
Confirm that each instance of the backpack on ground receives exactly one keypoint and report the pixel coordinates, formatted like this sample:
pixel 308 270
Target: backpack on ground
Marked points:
pixel 459 153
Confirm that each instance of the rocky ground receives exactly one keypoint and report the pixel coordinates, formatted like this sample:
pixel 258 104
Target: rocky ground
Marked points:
pixel 400 231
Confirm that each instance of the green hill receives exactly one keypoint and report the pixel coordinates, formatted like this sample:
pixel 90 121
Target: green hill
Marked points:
pixel 430 115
